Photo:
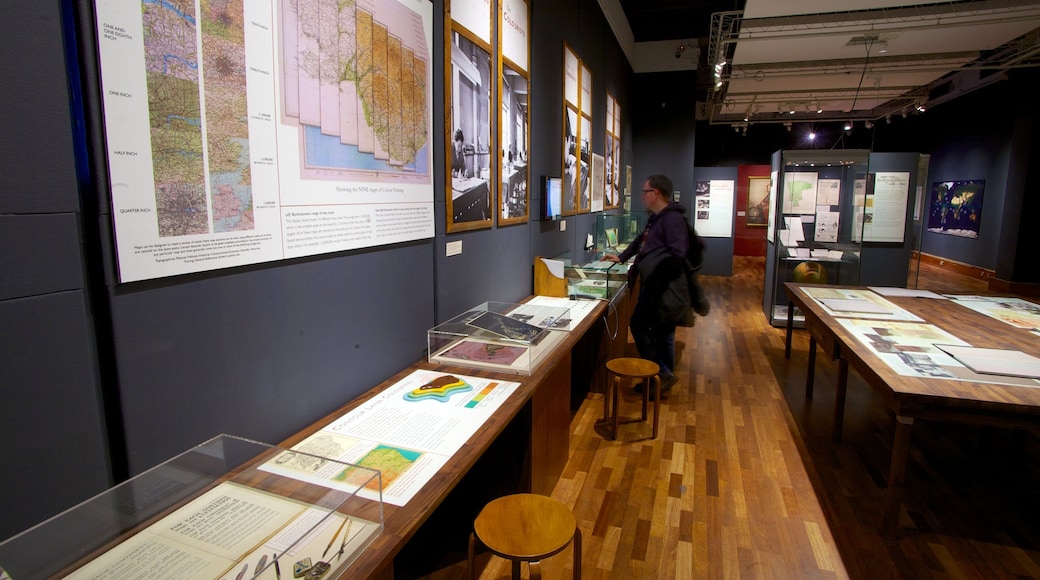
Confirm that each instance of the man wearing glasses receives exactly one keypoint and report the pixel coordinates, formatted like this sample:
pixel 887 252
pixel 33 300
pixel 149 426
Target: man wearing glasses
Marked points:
pixel 664 296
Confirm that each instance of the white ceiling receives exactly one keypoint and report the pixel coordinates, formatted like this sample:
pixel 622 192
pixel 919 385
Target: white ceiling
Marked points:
pixel 796 55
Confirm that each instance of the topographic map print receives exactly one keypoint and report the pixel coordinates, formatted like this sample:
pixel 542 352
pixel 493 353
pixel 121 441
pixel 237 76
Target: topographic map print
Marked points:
pixel 176 110
pixel 355 76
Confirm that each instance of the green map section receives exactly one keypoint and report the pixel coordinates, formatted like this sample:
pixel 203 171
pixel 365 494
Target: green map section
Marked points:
pixel 176 115
pixel 391 461
pixel 795 189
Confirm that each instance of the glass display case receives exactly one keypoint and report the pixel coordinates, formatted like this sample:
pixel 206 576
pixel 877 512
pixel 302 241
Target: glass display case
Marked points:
pixel 499 336
pixel 817 210
pixel 615 231
pixel 229 507
pixel 600 280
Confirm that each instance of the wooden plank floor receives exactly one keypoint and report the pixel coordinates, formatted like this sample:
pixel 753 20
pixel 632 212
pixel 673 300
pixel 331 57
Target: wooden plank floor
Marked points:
pixel 743 481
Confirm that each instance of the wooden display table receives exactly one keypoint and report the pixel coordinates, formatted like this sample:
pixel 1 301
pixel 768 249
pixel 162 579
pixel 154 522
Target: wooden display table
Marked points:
pixel 911 397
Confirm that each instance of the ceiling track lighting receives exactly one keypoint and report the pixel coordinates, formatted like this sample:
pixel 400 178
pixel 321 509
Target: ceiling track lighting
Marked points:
pixel 847 126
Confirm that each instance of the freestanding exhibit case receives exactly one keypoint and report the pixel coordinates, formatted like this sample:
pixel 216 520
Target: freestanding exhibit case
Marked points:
pixel 228 508
pixel 817 202
pixel 499 336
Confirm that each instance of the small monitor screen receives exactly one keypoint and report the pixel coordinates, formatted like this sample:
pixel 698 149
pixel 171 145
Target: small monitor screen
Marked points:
pixel 553 188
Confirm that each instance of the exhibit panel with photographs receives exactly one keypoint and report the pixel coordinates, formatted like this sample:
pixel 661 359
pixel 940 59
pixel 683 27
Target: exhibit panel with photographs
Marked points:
pixel 514 124
pixel 713 217
pixel 884 218
pixel 280 140
pixel 469 193
pixel 956 207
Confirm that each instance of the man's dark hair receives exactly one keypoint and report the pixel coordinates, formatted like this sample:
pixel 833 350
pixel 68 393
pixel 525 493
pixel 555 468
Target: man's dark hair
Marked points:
pixel 661 183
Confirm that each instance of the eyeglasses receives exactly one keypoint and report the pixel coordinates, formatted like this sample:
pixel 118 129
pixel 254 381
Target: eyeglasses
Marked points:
pixel 646 191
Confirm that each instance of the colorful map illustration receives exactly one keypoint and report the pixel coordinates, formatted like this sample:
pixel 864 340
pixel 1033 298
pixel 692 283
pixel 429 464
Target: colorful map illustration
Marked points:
pixel 182 106
pixel 439 389
pixel 484 352
pixel 390 461
pixel 354 78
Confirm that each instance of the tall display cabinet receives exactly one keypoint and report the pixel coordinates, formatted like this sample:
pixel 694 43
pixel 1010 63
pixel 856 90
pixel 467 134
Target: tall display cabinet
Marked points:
pixel 815 228
pixel 839 217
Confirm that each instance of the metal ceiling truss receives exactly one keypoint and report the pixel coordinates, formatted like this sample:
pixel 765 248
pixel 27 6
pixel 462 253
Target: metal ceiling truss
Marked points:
pixel 973 70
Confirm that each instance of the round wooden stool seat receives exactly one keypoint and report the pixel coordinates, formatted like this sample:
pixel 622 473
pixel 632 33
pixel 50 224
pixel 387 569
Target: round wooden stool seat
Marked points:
pixel 630 368
pixel 636 368
pixel 526 527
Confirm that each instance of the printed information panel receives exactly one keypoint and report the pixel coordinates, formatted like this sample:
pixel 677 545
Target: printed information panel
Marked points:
pixel 244 132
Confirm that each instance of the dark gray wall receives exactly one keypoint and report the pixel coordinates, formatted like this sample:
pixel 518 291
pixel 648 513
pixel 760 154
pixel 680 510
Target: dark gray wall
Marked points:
pixel 123 376
pixel 51 409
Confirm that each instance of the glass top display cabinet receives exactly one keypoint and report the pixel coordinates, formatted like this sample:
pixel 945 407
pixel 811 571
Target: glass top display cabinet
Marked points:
pixel 499 336
pixel 815 229
pixel 615 232
pixel 228 508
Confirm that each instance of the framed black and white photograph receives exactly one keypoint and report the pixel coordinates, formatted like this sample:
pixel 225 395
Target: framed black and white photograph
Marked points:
pixel 513 139
pixel 471 170
pixel 514 198
pixel 571 161
pixel 585 183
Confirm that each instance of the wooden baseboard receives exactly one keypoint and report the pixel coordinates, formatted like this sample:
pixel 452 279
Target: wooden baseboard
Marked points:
pixel 1017 288
pixel 955 266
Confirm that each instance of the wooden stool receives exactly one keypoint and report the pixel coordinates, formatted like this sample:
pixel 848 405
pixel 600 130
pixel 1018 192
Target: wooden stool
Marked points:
pixel 631 368
pixel 525 528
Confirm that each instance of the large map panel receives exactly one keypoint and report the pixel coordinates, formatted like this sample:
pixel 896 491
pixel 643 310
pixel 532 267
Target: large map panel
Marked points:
pixel 242 132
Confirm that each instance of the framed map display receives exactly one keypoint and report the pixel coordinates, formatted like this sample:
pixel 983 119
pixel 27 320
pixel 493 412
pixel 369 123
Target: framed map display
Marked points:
pixel 245 132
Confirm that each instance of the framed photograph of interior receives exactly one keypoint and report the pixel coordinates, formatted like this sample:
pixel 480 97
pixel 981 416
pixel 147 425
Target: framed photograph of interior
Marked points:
pixel 468 84
pixel 514 134
pixel 571 164
pixel 613 142
pixel 756 213
pixel 585 137
pixel 585 166
pixel 598 181
pixel 569 152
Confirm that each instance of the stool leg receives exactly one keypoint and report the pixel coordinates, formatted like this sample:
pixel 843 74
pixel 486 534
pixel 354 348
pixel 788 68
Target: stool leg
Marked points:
pixel 471 557
pixel 536 570
pixel 657 404
pixel 577 553
pixel 646 396
pixel 516 569
pixel 606 399
pixel 617 395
